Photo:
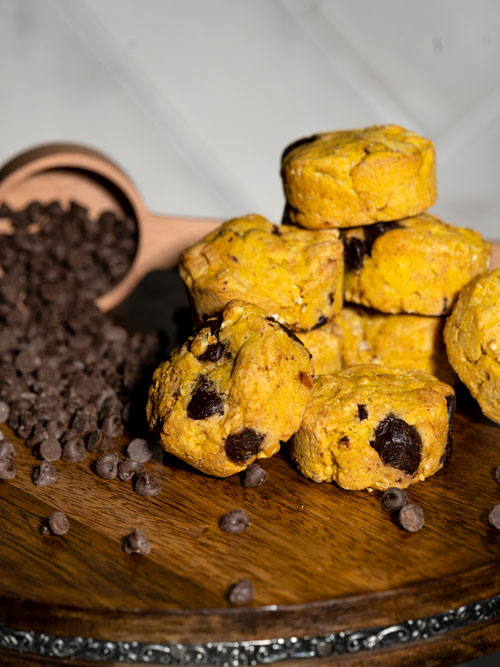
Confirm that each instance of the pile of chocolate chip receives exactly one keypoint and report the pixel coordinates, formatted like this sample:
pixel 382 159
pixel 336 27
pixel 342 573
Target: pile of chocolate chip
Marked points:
pixel 69 377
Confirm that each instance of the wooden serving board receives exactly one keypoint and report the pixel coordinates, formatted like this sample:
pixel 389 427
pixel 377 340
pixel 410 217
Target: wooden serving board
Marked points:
pixel 322 560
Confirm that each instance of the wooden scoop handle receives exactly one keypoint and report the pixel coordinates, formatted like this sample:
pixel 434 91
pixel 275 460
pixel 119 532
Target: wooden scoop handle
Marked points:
pixel 161 239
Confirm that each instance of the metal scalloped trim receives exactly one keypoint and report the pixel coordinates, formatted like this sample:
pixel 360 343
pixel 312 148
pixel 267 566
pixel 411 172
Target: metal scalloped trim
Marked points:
pixel 262 652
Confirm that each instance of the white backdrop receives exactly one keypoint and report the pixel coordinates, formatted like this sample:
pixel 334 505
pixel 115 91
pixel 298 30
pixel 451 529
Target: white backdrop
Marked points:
pixel 197 98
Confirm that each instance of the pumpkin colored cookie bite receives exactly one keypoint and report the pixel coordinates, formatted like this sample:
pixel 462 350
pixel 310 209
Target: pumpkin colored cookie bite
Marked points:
pixel 232 392
pixel 294 274
pixel 357 177
pixel 370 426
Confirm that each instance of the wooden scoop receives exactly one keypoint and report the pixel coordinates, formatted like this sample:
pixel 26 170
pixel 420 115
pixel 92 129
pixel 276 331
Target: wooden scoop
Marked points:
pixel 68 172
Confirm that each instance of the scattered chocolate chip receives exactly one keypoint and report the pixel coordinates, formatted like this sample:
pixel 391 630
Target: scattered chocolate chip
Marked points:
pixel 106 465
pixel 112 426
pixel 98 442
pixel 254 475
pixel 393 499
pixel 234 522
pixel 27 361
pixel 4 412
pixel 7 469
pixel 54 429
pixel 241 593
pixel 204 401
pixel 494 517
pixel 242 445
pixel 398 444
pixel 25 426
pixel 58 524
pixel 411 517
pixel 44 475
pixel 356 249
pixel 147 485
pixel 74 450
pixel 136 543
pixel 129 468
pixel 38 434
pixel 344 441
pixel 50 449
pixel 6 449
pixel 139 450
pixel 362 412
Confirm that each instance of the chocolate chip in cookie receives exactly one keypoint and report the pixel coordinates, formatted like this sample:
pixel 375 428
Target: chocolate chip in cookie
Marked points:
pixel 398 444
pixel 243 445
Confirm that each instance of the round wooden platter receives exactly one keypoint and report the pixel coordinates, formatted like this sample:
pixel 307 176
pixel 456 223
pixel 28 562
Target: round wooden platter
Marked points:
pixel 322 560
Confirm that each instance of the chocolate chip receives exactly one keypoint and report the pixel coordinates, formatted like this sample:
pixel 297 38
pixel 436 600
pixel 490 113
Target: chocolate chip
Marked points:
pixel 213 352
pixel 243 444
pixel 253 476
pixel 4 412
pixel 37 435
pixel 241 593
pixel 112 426
pixel 139 450
pixel 398 444
pixel 98 442
pixel 411 517
pixel 106 465
pixel 494 517
pixel 362 412
pixel 204 401
pixel 50 449
pixel 74 450
pixel 393 499
pixel 44 475
pixel 25 426
pixel 356 249
pixel 213 324
pixel 136 543
pixel 6 449
pixel 451 405
pixel 7 469
pixel 58 523
pixel 146 485
pixel 129 468
pixel 27 361
pixel 55 429
pixel 344 441
pixel 331 298
pixel 234 522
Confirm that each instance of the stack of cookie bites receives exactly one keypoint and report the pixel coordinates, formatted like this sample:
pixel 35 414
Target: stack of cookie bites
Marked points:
pixel 386 422
pixel 355 230
pixel 375 185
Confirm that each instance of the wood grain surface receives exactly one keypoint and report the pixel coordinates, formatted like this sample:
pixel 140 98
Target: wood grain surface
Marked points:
pixel 321 559
pixel 330 560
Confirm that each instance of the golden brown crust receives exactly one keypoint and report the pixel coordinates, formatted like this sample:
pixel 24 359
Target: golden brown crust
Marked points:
pixel 358 177
pixel 417 265
pixel 472 337
pixel 373 427
pixel 231 392
pixel 294 274
pixel 407 342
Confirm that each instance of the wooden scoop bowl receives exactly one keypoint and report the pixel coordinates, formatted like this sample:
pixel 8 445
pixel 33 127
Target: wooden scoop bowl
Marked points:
pixel 70 172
